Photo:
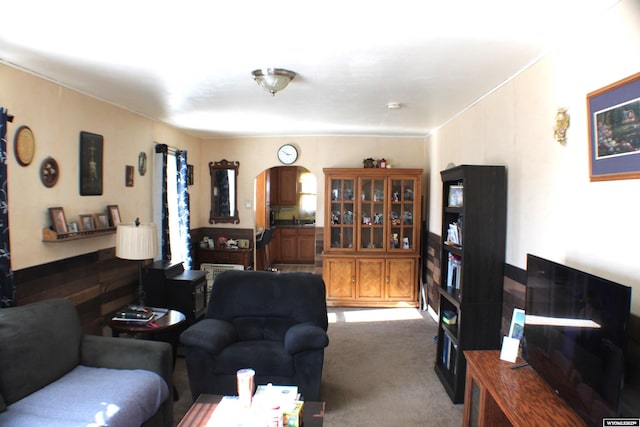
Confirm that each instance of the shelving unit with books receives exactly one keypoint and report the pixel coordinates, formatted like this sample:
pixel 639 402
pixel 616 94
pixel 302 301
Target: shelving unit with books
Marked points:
pixel 471 270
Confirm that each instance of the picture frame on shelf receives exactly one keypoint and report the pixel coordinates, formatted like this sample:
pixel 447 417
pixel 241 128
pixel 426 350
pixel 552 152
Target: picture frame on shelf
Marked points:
pixel 614 130
pixel 101 220
pixel 73 227
pixel 114 215
pixel 456 196
pixel 90 164
pixel 58 221
pixel 516 329
pixel 86 222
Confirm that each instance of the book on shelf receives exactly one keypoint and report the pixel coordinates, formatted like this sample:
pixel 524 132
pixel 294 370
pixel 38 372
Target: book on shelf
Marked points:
pixel 449 353
pixel 454 264
pixel 449 317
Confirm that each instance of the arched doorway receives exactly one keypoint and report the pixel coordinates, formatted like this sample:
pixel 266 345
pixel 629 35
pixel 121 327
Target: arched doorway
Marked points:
pixel 285 204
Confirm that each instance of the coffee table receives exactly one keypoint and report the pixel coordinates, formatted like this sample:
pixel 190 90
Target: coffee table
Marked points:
pixel 202 409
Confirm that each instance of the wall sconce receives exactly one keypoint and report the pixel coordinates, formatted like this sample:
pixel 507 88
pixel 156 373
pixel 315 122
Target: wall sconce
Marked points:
pixel 561 126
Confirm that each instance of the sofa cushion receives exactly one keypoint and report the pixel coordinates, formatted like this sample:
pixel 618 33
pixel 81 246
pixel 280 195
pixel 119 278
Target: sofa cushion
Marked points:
pixel 91 397
pixel 273 360
pixel 40 343
pixel 262 327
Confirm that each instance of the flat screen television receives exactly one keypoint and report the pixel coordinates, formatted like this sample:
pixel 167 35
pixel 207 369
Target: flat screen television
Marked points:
pixel 575 335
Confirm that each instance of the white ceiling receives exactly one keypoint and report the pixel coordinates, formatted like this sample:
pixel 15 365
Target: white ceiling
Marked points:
pixel 188 63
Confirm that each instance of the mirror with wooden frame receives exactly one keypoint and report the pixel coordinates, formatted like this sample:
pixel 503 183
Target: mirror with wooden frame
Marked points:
pixel 224 192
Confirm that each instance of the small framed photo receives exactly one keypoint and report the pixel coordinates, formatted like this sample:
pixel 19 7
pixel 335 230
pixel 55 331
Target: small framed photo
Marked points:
pixel 73 227
pixel 456 196
pixel 614 130
pixel 517 324
pixel 58 221
pixel 128 176
pixel 114 215
pixel 189 174
pixel 86 222
pixel 101 220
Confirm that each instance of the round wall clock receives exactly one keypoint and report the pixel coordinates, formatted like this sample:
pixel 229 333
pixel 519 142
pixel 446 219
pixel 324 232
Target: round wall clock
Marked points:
pixel 49 172
pixel 287 154
pixel 24 145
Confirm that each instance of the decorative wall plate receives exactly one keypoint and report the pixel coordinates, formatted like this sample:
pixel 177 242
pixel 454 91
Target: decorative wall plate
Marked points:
pixel 49 172
pixel 24 145
pixel 142 163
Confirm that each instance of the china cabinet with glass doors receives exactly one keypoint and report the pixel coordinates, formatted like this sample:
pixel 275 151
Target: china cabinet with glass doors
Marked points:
pixel 372 237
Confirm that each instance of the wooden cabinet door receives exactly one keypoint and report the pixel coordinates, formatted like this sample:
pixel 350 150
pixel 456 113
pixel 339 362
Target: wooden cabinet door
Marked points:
pixel 289 245
pixel 306 245
pixel 288 185
pixel 401 279
pixel 340 276
pixel 274 246
pixel 370 278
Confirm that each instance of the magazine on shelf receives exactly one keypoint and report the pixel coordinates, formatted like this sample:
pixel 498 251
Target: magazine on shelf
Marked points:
pixel 138 314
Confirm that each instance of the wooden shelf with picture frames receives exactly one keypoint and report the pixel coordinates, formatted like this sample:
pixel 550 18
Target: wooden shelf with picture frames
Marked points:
pixel 51 236
pixel 372 236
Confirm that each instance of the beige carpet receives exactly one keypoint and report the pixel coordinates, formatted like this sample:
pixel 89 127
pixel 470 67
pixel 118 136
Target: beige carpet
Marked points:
pixel 378 371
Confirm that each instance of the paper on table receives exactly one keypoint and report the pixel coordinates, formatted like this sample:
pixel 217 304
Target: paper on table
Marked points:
pixel 509 350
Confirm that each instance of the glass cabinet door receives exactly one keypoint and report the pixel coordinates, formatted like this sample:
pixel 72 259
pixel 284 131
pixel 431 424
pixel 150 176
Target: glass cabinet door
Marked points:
pixel 342 213
pixel 402 235
pixel 372 213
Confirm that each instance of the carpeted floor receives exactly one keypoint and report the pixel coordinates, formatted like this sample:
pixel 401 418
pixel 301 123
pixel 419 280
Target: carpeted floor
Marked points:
pixel 378 371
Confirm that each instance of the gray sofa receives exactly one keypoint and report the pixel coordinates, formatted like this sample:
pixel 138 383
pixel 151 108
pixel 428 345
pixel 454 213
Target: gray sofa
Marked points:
pixel 52 374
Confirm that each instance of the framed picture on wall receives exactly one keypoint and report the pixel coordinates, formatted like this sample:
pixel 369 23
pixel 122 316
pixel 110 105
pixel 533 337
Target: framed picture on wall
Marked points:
pixel 90 164
pixel 58 221
pixel 614 130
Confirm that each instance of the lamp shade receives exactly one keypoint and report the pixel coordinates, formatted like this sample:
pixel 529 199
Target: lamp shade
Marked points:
pixel 137 242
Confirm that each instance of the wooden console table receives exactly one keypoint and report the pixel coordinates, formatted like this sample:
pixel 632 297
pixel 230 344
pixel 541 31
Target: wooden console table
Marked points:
pixel 225 256
pixel 497 395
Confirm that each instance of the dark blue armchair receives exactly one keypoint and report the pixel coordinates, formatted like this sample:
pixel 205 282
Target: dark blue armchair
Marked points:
pixel 274 323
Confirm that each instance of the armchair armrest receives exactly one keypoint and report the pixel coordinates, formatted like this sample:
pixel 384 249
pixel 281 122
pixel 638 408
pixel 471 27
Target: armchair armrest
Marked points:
pixel 211 335
pixel 305 337
pixel 127 353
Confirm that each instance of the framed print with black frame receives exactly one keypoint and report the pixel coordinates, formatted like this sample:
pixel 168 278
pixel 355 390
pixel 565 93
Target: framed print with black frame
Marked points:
pixel 90 164
pixel 614 130
pixel 58 221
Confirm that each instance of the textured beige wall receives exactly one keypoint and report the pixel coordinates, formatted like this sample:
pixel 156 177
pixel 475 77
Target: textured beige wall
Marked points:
pixel 315 153
pixel 553 209
pixel 56 115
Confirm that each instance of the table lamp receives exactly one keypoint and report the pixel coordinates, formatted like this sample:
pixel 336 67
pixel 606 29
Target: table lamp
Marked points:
pixel 137 242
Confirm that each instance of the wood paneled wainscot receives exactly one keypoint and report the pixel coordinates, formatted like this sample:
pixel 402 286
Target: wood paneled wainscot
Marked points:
pixel 498 395
pixel 371 241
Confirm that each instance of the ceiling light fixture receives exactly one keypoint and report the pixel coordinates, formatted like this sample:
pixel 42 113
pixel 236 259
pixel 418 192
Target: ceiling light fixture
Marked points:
pixel 394 106
pixel 273 79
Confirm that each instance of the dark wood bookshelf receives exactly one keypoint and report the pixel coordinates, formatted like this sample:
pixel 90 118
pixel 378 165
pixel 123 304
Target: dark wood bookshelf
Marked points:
pixel 474 293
